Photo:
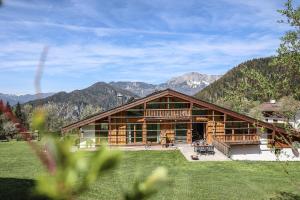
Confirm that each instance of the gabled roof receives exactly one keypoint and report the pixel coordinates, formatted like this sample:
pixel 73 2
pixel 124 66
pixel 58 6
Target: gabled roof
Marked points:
pixel 163 93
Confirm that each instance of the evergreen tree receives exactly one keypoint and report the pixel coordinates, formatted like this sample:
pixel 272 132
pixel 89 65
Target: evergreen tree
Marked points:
pixel 1 116
pixel 8 107
pixel 20 115
pixel 18 112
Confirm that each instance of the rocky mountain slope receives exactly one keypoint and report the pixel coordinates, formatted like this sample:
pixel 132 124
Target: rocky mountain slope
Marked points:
pixel 99 94
pixel 189 83
pixel 64 108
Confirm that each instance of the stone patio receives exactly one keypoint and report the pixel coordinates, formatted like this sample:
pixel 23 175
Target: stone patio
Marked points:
pixel 187 150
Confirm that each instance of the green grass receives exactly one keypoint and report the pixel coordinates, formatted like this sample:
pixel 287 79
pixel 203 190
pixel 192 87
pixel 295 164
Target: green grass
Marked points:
pixel 201 180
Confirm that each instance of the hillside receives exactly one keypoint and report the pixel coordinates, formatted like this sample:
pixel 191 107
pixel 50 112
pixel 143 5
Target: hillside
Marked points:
pixel 99 94
pixel 63 108
pixel 253 82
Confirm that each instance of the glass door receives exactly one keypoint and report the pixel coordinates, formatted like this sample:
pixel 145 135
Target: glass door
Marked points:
pixel 181 133
pixel 153 133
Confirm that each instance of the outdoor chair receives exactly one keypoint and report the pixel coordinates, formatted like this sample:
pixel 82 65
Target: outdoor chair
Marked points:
pixel 148 145
pixel 202 150
pixel 210 149
pixel 196 148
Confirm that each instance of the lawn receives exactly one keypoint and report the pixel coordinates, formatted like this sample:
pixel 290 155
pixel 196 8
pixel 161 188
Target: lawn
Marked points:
pixel 201 180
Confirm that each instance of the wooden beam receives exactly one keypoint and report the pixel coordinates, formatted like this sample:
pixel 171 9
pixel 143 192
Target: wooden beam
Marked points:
pixel 109 129
pixel 214 123
pixel 190 125
pixel 225 119
pixel 248 128
pixel 144 132
pixel 134 133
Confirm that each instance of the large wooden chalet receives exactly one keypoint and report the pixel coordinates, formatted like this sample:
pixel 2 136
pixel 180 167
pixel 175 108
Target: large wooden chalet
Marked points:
pixel 170 116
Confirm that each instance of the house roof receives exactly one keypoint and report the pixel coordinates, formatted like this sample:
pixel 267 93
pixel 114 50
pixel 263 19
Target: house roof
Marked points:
pixel 162 93
pixel 271 107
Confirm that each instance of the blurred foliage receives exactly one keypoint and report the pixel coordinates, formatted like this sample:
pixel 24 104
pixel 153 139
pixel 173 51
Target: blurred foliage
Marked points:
pixel 71 172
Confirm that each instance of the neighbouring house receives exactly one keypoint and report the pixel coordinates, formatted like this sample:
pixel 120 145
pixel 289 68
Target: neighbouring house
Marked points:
pixel 272 113
pixel 171 117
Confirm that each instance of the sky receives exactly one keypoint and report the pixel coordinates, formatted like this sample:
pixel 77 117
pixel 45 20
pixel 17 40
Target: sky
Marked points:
pixel 130 40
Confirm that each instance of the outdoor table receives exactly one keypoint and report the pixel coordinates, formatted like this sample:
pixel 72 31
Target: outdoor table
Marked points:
pixel 202 149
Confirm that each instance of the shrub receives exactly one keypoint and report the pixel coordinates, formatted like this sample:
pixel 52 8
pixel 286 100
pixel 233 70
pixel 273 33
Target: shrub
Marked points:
pixel 19 137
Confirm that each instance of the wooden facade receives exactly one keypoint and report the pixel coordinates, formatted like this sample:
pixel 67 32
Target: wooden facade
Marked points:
pixel 169 116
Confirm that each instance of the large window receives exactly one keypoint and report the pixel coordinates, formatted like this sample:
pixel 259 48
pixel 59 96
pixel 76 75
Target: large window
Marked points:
pixel 134 133
pixel 168 103
pixel 180 132
pixel 153 132
pixel 101 133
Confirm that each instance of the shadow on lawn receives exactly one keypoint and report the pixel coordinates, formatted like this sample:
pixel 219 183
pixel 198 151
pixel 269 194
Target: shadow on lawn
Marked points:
pixel 286 196
pixel 14 188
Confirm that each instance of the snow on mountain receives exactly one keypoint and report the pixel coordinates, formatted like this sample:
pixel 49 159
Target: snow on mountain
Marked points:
pixel 189 83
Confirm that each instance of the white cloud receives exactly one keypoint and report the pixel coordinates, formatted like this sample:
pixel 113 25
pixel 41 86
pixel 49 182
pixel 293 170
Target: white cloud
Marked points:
pixel 159 57
pixel 136 40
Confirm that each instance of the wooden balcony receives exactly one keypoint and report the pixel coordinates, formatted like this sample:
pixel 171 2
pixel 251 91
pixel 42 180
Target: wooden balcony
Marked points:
pixel 233 139
pixel 168 113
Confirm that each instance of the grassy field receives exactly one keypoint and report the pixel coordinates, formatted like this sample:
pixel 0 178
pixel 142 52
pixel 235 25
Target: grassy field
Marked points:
pixel 209 180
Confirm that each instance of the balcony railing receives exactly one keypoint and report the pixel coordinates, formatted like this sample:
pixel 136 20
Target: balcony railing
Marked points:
pixel 238 138
pixel 168 113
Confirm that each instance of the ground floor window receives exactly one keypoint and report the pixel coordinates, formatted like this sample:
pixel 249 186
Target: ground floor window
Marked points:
pixel 153 132
pixel 134 133
pixel 180 132
pixel 101 133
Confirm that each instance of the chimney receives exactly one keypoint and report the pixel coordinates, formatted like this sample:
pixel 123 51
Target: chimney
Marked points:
pixel 119 99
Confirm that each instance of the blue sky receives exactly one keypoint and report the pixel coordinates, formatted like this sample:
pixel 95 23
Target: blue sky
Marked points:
pixel 130 40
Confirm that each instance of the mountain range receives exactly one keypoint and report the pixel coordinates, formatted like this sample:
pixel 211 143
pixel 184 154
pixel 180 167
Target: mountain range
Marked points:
pixel 189 83
pixel 99 94
pixel 14 99
pixel 66 107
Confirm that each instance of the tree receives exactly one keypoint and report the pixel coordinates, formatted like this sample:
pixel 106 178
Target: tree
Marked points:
pixel 27 110
pixel 20 115
pixel 88 110
pixel 9 129
pixel 1 116
pixel 289 108
pixel 1 125
pixel 289 49
pixel 8 107
pixel 18 112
